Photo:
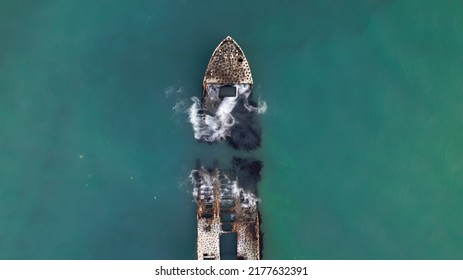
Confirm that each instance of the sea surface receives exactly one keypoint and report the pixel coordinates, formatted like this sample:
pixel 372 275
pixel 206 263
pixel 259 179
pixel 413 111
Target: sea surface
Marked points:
pixel 362 140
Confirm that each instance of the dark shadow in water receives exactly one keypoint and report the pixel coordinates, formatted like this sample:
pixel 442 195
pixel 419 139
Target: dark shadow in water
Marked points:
pixel 247 171
pixel 246 133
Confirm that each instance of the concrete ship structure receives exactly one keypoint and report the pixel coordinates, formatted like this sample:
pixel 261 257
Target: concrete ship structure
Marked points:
pixel 228 65
pixel 227 75
pixel 225 209
pixel 225 206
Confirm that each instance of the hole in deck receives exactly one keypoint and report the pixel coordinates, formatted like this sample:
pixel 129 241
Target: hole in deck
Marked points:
pixel 227 217
pixel 229 203
pixel 207 215
pixel 228 227
pixel 228 246
pixel 227 91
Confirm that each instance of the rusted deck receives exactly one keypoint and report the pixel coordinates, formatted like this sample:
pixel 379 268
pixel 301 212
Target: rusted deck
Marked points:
pixel 223 206
pixel 216 197
pixel 228 65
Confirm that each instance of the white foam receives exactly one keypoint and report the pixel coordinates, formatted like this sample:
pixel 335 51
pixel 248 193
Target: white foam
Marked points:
pixel 260 109
pixel 212 127
pixel 250 200
pixel 216 126
pixel 206 186
pixel 172 91
pixel 180 106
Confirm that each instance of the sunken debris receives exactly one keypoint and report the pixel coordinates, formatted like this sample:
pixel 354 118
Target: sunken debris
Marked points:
pixel 227 205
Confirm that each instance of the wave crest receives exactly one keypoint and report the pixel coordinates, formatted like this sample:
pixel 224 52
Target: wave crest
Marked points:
pixel 231 118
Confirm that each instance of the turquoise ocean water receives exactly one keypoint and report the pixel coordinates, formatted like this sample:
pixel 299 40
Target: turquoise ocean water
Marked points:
pixel 362 139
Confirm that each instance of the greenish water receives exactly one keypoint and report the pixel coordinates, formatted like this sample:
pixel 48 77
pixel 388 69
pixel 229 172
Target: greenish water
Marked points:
pixel 363 138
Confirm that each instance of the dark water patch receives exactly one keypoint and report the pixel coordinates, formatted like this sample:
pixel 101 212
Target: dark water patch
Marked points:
pixel 246 133
pixel 228 249
pixel 247 171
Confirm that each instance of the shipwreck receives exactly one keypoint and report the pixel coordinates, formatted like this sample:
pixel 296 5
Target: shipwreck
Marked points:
pixel 228 219
pixel 227 211
pixel 226 111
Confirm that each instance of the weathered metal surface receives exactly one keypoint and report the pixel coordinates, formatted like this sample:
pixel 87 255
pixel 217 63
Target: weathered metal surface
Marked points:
pixel 209 228
pixel 215 195
pixel 228 65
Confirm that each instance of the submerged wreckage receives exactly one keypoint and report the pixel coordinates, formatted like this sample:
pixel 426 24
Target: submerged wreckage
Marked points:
pixel 226 110
pixel 227 204
pixel 227 213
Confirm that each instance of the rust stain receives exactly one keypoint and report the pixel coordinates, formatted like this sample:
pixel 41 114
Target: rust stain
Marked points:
pixel 228 65
pixel 215 198
pixel 215 195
